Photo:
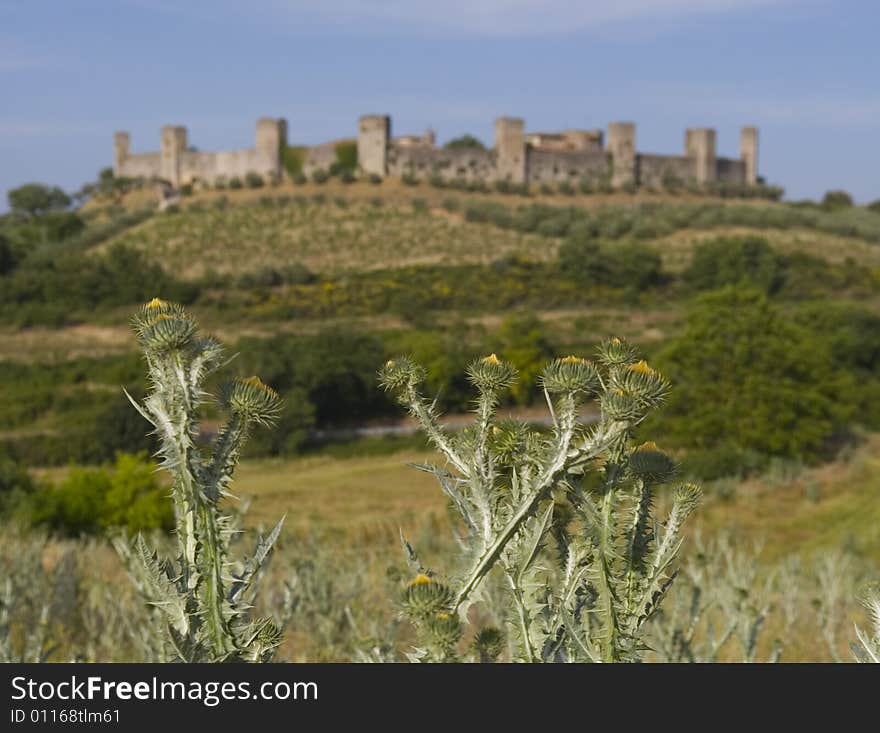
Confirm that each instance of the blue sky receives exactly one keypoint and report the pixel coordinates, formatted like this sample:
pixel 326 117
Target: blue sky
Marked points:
pixel 804 71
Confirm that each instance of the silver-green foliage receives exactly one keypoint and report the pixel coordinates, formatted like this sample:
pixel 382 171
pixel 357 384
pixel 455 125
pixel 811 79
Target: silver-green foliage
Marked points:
pixel 868 648
pixel 204 596
pixel 565 519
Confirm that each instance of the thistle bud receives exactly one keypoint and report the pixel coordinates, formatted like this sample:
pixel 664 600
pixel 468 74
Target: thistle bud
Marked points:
pixel 687 496
pixel 616 352
pixel 425 596
pixel 491 374
pixel 162 326
pixel 489 643
pixel 646 385
pixel 571 374
pixel 618 405
pixel 445 628
pixel 650 464
pixel 510 440
pixel 252 399
pixel 400 373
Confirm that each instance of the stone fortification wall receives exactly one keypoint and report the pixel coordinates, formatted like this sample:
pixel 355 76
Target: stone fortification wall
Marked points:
pixel 543 166
pixel 654 170
pixel 178 164
pixel 422 163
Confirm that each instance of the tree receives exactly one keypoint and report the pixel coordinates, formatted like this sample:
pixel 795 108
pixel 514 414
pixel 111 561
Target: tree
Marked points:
pixel 37 199
pixel 837 200
pixel 751 382
pixel 464 142
pixel 735 261
pixel 7 261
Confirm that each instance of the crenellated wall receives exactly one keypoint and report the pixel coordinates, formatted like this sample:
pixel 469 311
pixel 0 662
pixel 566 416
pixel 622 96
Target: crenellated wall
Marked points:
pixel 517 157
pixel 177 164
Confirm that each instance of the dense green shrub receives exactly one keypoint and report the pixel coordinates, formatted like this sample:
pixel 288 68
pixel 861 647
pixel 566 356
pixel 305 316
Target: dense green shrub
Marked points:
pixel 16 485
pixel 465 142
pixel 254 180
pixel 34 200
pixel 91 501
pixel 752 382
pixel 235 183
pixel 735 261
pixel 626 265
pixel 319 176
pixel 57 287
pixel 836 200
pixel 346 156
pixel 850 334
pixel 521 340
pixel 374 178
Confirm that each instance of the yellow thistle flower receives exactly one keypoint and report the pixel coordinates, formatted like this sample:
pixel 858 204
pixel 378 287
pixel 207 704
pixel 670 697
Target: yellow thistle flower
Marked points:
pixel 421 579
pixel 156 303
pixel 641 367
pixel 573 360
pixel 255 381
pixel 649 445
pixel 491 359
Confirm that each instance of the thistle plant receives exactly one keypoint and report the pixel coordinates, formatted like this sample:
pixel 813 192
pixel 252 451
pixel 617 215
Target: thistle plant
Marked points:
pixel 563 520
pixel 204 597
pixel 868 648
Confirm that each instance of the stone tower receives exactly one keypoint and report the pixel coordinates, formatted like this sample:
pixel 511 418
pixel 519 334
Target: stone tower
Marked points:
pixel 622 146
pixel 271 136
pixel 121 151
pixel 374 133
pixel 700 146
pixel 510 149
pixel 173 145
pixel 748 153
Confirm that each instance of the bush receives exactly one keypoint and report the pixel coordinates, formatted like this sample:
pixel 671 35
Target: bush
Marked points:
pixel 235 183
pixel 94 501
pixel 874 206
pixel 408 179
pixel 566 189
pixel 346 156
pixel 36 199
pixel 836 200
pixel 186 189
pixel 347 176
pixel 299 179
pixel 419 205
pixel 725 261
pixel 375 179
pixel 749 381
pixel 627 265
pixel 465 142
pixel 320 176
pixel 254 180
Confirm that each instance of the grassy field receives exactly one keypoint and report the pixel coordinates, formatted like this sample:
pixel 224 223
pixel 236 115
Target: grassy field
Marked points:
pixel 324 238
